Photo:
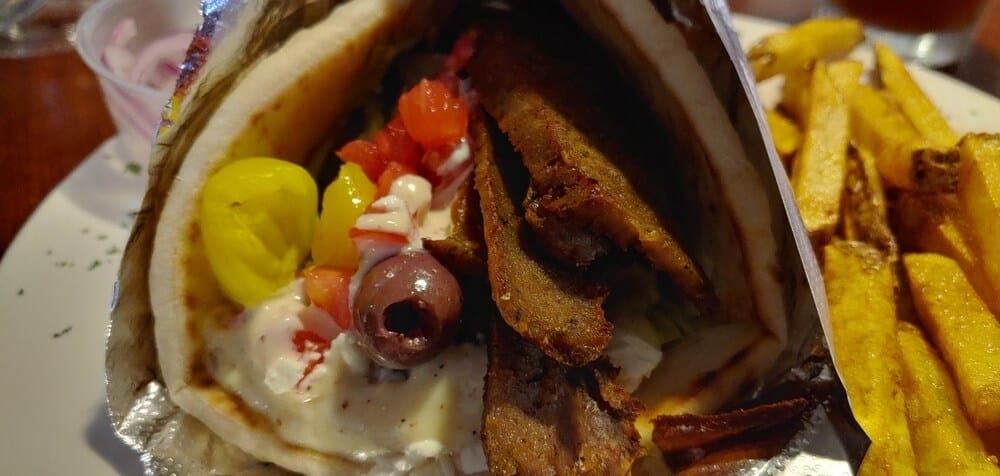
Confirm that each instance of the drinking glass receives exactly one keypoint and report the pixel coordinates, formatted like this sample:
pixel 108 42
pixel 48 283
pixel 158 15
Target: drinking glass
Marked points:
pixel 929 32
pixel 37 27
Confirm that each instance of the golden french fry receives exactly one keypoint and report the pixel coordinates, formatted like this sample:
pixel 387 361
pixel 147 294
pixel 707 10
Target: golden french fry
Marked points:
pixel 870 168
pixel 864 208
pixel 933 223
pixel 979 196
pixel 795 93
pixel 860 291
pixel 844 74
pixel 786 135
pixel 944 441
pixel 963 329
pixel 801 44
pixel 917 107
pixel 819 168
pixel 905 159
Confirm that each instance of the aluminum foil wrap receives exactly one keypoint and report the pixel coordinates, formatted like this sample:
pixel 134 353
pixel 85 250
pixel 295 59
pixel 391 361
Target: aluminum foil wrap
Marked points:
pixel 170 441
pixel 236 33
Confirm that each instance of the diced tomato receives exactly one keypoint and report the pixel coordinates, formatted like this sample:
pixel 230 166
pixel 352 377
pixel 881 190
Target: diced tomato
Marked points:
pixel 392 172
pixel 395 145
pixel 329 289
pixel 366 155
pixel 378 238
pixel 461 53
pixel 309 341
pixel 433 115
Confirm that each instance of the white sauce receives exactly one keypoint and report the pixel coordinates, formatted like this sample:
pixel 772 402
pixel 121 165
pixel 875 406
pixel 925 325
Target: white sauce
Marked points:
pixel 391 426
pixel 459 156
pixel 389 214
pixel 415 191
pixel 436 223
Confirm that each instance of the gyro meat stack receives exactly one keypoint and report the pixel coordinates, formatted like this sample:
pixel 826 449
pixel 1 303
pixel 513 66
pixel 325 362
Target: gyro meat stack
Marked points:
pixel 428 238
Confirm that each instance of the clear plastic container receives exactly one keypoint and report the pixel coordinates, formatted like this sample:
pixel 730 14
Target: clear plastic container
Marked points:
pixel 135 108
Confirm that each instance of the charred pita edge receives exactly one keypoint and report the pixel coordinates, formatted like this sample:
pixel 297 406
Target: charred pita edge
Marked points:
pixel 557 311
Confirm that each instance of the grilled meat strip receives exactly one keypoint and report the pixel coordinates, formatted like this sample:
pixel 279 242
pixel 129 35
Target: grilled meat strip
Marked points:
pixel 543 418
pixel 683 432
pixel 732 456
pixel 558 312
pixel 597 165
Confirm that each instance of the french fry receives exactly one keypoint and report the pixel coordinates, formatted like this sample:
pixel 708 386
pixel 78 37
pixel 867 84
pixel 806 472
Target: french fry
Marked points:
pixel 795 93
pixel 864 208
pixel 944 441
pixel 979 196
pixel 963 329
pixel 905 159
pixel 818 171
pixel 844 74
pixel 786 135
pixel 860 287
pixel 933 223
pixel 801 44
pixel 917 107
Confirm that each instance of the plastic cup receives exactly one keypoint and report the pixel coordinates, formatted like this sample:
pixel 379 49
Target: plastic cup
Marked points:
pixel 135 108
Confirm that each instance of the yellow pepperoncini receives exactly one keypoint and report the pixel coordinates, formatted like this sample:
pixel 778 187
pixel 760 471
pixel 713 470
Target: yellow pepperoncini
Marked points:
pixel 344 200
pixel 257 219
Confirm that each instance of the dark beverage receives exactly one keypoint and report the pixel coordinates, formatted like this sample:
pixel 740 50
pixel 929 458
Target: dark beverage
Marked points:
pixel 914 16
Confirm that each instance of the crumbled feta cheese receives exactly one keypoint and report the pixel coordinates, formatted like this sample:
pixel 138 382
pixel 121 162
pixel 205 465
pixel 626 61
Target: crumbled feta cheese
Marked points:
pixel 284 373
pixel 351 353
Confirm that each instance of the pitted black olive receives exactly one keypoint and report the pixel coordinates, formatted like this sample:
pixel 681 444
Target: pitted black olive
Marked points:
pixel 407 309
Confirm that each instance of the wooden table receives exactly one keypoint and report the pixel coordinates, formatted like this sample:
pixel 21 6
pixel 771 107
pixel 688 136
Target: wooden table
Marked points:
pixel 52 117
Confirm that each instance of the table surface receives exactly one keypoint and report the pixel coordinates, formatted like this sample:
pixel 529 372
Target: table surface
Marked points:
pixel 52 117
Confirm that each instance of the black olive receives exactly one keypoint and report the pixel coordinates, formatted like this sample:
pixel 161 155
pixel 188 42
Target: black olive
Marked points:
pixel 407 309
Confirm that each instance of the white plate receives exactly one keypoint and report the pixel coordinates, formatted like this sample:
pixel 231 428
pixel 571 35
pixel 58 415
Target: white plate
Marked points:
pixel 55 288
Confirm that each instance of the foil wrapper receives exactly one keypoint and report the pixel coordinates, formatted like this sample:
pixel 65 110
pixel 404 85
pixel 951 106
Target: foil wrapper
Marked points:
pixel 236 33
pixel 233 35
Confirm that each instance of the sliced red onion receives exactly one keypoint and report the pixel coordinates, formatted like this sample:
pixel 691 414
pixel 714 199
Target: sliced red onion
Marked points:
pixel 157 65
pixel 169 49
pixel 122 33
pixel 119 60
